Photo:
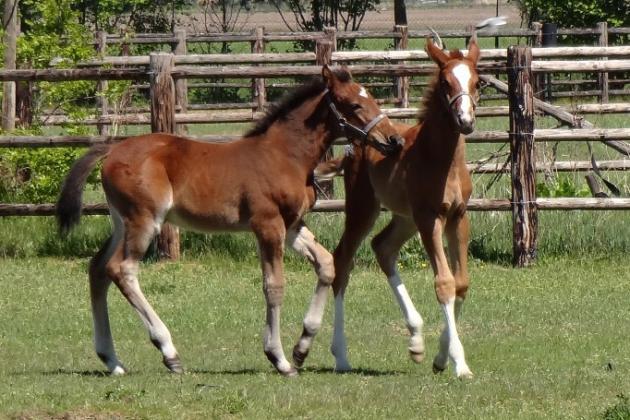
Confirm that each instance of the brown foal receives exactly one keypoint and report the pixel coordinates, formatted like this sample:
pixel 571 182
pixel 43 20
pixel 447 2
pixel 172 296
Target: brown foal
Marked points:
pixel 262 183
pixel 426 187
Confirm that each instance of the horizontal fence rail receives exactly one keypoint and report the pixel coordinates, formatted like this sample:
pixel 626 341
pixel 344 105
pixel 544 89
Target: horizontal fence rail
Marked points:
pixel 547 134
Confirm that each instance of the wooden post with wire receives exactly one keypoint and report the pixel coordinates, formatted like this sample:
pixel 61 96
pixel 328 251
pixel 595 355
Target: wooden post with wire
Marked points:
pixel 11 25
pixel 163 121
pixel 181 85
pixel 323 55
pixel 537 42
pixel 102 103
pixel 602 27
pixel 258 85
pixel 523 159
pixel 402 82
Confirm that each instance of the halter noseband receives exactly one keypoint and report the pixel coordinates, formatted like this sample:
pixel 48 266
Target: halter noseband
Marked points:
pixel 354 132
pixel 454 98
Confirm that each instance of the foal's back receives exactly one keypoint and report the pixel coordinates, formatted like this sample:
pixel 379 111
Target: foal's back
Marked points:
pixel 201 186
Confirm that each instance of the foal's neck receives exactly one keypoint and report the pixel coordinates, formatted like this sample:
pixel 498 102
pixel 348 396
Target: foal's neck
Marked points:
pixel 442 136
pixel 310 131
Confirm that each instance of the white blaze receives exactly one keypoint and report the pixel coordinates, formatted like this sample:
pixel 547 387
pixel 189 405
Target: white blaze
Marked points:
pixel 462 74
pixel 363 92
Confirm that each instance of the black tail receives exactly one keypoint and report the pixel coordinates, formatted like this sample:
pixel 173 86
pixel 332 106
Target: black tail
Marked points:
pixel 71 197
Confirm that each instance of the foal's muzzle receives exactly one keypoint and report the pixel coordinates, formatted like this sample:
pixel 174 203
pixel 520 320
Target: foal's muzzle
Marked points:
pixel 393 146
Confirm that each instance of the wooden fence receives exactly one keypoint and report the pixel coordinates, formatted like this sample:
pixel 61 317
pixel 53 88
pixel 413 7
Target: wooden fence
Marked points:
pixel 521 68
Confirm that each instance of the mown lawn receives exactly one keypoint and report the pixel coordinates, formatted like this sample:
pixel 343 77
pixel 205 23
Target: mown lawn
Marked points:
pixel 546 342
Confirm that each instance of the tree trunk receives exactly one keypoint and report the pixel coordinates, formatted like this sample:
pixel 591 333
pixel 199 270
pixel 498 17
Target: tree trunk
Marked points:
pixel 400 12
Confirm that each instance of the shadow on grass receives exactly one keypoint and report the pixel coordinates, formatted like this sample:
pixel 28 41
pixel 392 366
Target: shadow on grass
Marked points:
pixel 354 371
pixel 314 370
pixel 68 372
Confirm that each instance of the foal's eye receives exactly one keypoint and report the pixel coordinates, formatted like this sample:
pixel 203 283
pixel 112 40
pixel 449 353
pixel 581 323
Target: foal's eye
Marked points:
pixel 356 107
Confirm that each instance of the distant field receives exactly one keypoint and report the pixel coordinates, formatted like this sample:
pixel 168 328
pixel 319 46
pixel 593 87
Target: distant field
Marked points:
pixel 457 15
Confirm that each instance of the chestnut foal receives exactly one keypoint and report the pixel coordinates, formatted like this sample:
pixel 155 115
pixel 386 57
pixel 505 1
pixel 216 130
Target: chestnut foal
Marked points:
pixel 262 183
pixel 426 187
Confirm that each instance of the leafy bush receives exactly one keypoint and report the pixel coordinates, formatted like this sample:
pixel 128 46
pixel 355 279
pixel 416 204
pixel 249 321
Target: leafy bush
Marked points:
pixel 562 186
pixel 35 175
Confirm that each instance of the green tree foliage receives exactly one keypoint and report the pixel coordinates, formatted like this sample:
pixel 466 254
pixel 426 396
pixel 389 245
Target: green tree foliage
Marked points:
pixel 315 15
pixel 130 15
pixel 576 13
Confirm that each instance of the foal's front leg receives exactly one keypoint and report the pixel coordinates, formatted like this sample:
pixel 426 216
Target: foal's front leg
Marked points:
pixel 305 244
pixel 431 229
pixel 270 235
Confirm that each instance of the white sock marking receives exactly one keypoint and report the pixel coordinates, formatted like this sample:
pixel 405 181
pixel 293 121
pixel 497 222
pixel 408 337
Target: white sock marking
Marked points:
pixel 339 347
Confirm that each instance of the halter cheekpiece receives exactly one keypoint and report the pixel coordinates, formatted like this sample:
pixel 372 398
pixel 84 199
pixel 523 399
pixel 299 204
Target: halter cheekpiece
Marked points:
pixel 354 132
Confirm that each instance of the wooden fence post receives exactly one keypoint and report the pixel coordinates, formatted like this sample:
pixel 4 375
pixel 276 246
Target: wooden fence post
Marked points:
pixel 11 25
pixel 402 82
pixel 258 85
pixel 181 85
pixel 524 210
pixel 330 33
pixel 163 121
pixel 323 55
pixel 602 27
pixel 536 42
pixel 102 104
pixel 549 39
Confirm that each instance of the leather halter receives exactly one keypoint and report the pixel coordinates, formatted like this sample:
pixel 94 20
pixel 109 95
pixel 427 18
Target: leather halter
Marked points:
pixel 354 132
pixel 455 97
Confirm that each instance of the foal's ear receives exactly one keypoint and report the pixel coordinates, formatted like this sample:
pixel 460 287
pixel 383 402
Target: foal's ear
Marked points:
pixel 329 76
pixel 435 53
pixel 473 49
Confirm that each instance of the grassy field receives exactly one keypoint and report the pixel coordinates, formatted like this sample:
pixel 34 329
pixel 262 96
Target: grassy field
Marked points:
pixel 546 342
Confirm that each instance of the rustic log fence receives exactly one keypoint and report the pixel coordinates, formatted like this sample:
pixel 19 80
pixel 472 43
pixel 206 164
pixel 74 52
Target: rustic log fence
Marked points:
pixel 521 135
pixel 400 37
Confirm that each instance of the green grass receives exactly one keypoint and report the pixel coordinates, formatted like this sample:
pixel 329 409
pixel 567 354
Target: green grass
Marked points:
pixel 546 342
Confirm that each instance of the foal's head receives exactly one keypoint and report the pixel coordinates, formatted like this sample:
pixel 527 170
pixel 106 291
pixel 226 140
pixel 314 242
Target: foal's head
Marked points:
pixel 358 113
pixel 458 82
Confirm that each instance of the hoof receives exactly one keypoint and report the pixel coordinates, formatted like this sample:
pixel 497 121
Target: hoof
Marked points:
pixel 118 371
pixel 299 357
pixel 291 373
pixel 416 357
pixel 343 368
pixel 438 369
pixel 465 374
pixel 173 364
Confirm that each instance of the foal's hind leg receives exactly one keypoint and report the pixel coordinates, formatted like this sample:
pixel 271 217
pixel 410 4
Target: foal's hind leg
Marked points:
pixel 386 246
pixel 99 286
pixel 123 267
pixel 431 229
pixel 362 210
pixel 304 243
pixel 271 235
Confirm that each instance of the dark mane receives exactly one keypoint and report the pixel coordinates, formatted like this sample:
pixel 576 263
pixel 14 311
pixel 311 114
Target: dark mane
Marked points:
pixel 279 110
